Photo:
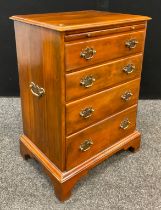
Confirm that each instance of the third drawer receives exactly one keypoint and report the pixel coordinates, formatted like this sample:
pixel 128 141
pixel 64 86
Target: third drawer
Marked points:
pixel 89 110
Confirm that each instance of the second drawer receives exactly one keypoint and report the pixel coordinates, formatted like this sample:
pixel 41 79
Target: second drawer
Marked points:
pixel 102 76
pixel 84 112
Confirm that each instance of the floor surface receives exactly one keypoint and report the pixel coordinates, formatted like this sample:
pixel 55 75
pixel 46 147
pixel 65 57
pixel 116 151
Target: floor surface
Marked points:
pixel 126 181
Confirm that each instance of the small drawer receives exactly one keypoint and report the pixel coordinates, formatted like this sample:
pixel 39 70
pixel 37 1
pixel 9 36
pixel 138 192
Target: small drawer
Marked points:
pixel 84 112
pixel 87 143
pixel 93 51
pixel 102 76
pixel 70 36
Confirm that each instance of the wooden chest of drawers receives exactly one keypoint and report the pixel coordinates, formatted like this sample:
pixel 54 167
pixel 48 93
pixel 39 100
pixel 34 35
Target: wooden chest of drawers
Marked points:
pixel 79 75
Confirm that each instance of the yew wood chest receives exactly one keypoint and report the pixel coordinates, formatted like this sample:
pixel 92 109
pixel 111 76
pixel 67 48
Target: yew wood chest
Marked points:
pixel 79 76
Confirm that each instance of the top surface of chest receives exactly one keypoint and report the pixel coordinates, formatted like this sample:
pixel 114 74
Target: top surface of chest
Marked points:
pixel 68 21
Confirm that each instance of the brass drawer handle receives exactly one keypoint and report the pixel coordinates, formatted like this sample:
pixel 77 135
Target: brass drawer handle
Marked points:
pixel 86 145
pixel 36 90
pixel 87 81
pixel 125 124
pixel 131 44
pixel 129 68
pixel 88 53
pixel 127 95
pixel 87 112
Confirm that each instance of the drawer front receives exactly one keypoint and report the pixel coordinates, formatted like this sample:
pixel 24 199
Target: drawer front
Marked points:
pixel 93 79
pixel 89 142
pixel 93 51
pixel 84 112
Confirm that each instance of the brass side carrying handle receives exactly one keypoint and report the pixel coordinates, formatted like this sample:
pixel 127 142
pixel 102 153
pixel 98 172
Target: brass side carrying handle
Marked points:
pixel 87 81
pixel 86 145
pixel 127 95
pixel 36 90
pixel 128 69
pixel 87 53
pixel 132 43
pixel 125 124
pixel 87 112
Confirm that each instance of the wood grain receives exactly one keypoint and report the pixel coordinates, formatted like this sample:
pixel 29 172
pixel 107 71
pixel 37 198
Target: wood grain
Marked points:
pixel 64 181
pixel 105 104
pixel 103 32
pixel 67 21
pixel 107 48
pixel 39 50
pixel 103 135
pixel 106 75
pixel 48 51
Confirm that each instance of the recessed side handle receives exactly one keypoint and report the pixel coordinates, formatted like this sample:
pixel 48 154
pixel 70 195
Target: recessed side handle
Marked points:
pixel 36 90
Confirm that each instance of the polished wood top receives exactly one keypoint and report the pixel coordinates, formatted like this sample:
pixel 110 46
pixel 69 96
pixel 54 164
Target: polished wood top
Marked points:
pixel 67 21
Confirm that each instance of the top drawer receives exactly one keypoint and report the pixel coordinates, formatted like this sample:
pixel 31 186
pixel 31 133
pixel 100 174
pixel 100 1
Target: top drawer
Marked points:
pixel 93 51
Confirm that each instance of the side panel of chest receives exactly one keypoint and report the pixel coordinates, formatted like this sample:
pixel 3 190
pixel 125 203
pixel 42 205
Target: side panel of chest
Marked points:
pixel 40 54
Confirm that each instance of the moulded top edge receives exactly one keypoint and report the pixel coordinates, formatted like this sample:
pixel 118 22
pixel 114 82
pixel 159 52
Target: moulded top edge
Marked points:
pixel 68 21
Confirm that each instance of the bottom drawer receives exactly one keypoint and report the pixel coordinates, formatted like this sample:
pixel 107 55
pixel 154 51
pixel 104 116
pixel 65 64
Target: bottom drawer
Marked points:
pixel 88 142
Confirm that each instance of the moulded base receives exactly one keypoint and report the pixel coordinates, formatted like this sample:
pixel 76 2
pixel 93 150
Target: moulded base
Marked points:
pixel 63 182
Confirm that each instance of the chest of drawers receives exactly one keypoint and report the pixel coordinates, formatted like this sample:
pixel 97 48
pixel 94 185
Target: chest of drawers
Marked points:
pixel 79 76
